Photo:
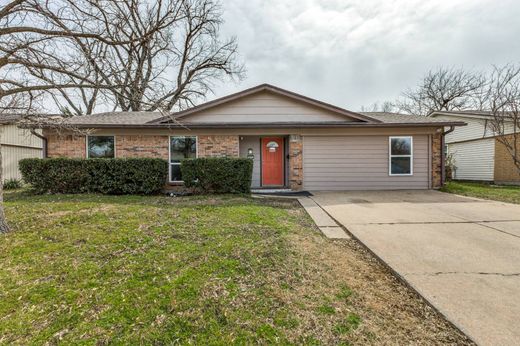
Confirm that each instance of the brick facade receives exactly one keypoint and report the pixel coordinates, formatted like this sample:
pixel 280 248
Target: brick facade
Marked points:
pixel 437 160
pixel 142 146
pixel 218 146
pixel 74 146
pixel 65 145
pixel 70 145
pixel 295 162
pixel 505 169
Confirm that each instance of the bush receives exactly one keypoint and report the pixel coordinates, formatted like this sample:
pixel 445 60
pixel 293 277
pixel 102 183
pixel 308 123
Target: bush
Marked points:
pixel 11 184
pixel 218 175
pixel 107 176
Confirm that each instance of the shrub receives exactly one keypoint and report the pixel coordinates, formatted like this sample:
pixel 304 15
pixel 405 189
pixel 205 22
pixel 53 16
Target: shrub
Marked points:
pixel 218 175
pixel 11 184
pixel 107 176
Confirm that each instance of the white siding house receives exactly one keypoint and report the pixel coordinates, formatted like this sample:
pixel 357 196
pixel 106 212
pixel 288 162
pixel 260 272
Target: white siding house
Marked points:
pixel 474 160
pixel 17 144
pixel 473 147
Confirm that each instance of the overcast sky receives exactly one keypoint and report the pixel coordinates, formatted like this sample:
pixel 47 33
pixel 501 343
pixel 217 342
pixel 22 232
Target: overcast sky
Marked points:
pixel 356 52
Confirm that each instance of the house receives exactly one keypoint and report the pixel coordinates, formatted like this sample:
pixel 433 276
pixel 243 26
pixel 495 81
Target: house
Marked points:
pixel 17 144
pixel 475 151
pixel 295 142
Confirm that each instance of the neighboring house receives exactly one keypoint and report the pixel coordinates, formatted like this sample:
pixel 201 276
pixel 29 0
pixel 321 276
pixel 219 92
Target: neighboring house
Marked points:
pixel 17 144
pixel 296 142
pixel 475 150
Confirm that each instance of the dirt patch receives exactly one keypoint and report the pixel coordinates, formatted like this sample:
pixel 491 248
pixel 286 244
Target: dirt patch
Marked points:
pixel 390 312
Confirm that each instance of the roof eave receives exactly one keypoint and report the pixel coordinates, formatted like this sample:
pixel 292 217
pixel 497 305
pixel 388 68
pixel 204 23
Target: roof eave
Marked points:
pixel 258 125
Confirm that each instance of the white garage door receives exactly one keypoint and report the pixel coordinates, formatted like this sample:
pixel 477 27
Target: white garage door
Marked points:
pixel 359 163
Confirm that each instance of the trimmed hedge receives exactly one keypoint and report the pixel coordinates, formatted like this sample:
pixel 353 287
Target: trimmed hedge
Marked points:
pixel 107 176
pixel 218 175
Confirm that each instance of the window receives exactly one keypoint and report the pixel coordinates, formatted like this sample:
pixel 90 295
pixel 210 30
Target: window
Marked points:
pixel 100 147
pixel 181 147
pixel 401 157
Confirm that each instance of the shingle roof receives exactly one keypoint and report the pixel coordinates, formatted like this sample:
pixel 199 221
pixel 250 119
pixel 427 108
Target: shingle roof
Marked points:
pixel 6 119
pixel 397 118
pixel 157 119
pixel 149 119
pixel 115 118
pixel 9 118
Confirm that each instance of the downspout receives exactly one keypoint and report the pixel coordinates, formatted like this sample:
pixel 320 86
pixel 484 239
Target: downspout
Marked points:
pixel 44 140
pixel 443 156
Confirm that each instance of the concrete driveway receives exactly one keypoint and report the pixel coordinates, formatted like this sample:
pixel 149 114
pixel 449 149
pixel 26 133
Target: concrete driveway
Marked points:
pixel 461 254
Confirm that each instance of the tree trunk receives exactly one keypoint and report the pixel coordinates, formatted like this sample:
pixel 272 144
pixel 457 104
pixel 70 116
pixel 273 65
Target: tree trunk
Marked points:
pixel 4 227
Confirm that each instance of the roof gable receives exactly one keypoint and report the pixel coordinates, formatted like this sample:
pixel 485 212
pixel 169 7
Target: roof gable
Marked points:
pixel 265 104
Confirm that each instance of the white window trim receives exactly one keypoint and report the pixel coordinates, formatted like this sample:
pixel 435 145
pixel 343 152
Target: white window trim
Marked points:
pixel 86 144
pixel 390 156
pixel 170 157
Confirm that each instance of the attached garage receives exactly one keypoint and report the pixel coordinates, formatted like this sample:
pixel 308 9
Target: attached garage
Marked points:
pixel 361 163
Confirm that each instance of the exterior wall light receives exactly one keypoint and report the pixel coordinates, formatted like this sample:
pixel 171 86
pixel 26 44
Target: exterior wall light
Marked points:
pixel 250 154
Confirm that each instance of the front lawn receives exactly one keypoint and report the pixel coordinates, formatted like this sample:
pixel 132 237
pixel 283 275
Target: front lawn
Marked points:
pixel 510 194
pixel 201 270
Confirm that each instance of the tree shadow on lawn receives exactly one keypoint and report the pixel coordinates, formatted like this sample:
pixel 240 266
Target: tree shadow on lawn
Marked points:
pixel 226 200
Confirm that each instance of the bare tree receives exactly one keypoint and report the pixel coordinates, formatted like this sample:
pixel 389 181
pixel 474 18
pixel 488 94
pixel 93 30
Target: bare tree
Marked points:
pixel 26 34
pixel 20 35
pixel 503 100
pixel 127 55
pixel 33 38
pixel 144 55
pixel 17 103
pixel 444 89
pixel 386 107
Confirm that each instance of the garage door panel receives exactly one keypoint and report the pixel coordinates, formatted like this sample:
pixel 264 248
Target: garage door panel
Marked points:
pixel 379 184
pixel 359 163
pixel 356 155
pixel 377 151
pixel 367 176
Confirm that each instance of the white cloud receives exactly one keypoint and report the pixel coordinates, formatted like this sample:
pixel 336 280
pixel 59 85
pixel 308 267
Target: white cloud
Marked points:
pixel 353 53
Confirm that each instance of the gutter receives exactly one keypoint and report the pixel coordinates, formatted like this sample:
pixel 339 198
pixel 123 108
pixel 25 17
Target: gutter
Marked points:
pixel 260 125
pixel 44 140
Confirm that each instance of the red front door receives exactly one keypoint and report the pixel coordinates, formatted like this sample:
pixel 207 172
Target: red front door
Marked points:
pixel 272 161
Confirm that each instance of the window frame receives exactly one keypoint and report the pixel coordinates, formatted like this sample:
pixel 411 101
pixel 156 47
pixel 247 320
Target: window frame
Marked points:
pixel 390 156
pixel 170 163
pixel 86 145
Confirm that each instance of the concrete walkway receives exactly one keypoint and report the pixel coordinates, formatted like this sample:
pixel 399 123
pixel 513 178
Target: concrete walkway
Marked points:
pixel 325 223
pixel 461 254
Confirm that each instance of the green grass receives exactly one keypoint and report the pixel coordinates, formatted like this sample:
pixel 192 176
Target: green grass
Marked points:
pixel 510 194
pixel 91 269
pixel 350 323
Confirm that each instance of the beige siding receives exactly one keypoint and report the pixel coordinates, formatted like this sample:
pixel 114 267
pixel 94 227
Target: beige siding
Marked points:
pixel 11 155
pixel 11 134
pixel 252 142
pixel 359 163
pixel 17 144
pixel 474 160
pixel 264 107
